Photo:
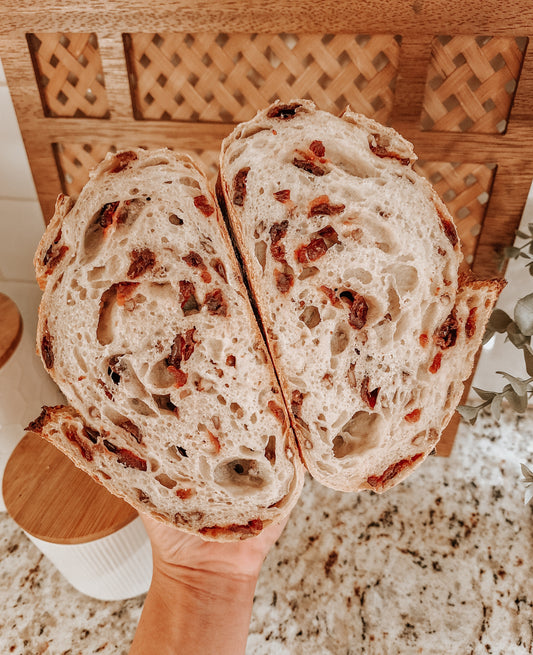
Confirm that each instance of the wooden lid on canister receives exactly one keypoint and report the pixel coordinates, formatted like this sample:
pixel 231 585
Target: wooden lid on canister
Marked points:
pixel 10 328
pixel 51 499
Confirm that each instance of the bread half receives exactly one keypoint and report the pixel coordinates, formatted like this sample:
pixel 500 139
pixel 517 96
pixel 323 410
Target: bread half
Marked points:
pixel 353 262
pixel 147 328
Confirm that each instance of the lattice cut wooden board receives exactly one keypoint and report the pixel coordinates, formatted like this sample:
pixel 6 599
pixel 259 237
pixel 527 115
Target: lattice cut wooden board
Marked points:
pixel 69 73
pixel 229 77
pixel 471 83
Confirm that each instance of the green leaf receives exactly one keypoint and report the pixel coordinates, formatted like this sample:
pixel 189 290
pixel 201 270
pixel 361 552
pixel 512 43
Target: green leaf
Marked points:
pixel 496 406
pixel 529 494
pixel 528 359
pixel 484 395
pixel 519 386
pixel 499 320
pixel 527 473
pixel 469 413
pixel 515 335
pixel 521 235
pixel 523 315
pixel 511 252
pixel 530 228
pixel 517 401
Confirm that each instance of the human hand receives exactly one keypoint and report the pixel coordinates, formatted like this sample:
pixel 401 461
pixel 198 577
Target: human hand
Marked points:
pixel 175 551
pixel 201 596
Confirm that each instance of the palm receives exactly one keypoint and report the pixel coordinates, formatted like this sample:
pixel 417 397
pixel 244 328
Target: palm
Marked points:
pixel 175 550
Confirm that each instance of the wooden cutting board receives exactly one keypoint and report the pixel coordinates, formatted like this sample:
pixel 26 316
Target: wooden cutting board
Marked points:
pixel 10 328
pixel 51 499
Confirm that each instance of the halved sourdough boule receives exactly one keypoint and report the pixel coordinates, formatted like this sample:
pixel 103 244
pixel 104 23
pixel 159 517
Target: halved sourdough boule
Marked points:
pixel 353 261
pixel 146 326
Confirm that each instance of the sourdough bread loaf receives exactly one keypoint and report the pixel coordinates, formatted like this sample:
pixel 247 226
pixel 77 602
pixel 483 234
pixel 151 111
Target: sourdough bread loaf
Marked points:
pixel 147 328
pixel 353 262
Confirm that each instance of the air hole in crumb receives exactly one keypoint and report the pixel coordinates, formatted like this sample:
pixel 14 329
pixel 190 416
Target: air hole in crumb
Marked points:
pixel 237 410
pixel 308 271
pixel 310 316
pixel 270 450
pixel 166 481
pixel 359 434
pixel 340 339
pixel 239 473
pixel 175 219
pixel 260 253
pixel 190 182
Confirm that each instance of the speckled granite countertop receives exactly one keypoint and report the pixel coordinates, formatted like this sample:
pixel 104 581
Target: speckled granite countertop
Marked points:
pixel 442 564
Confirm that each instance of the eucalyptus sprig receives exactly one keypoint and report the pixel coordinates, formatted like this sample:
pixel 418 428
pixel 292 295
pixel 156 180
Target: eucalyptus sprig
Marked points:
pixel 518 330
pixel 528 481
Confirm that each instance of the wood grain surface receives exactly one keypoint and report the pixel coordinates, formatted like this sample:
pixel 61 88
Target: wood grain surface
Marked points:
pixel 372 16
pixel 10 328
pixel 48 497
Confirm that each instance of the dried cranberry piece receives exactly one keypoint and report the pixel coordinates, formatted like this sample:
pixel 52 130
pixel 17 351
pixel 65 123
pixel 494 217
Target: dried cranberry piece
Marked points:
pixel 277 411
pixel 322 205
pixel 316 249
pixel 202 203
pixel 309 166
pixel 239 186
pixel 124 291
pixel 282 196
pixel 219 268
pixel 193 259
pixel 72 435
pixel 180 377
pixel 130 460
pixel 141 261
pixel 369 397
pixel 278 231
pixel 318 148
pixel 413 417
pixel 470 325
pixel 435 364
pixel 215 303
pixel 122 159
pixel 358 312
pixel 133 429
pixel 284 281
pixel 284 112
pixel 392 471
pixel 189 303
pixel 91 434
pixel 297 399
pixel 381 150
pixel 446 335
pixel 46 348
pixel 105 217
